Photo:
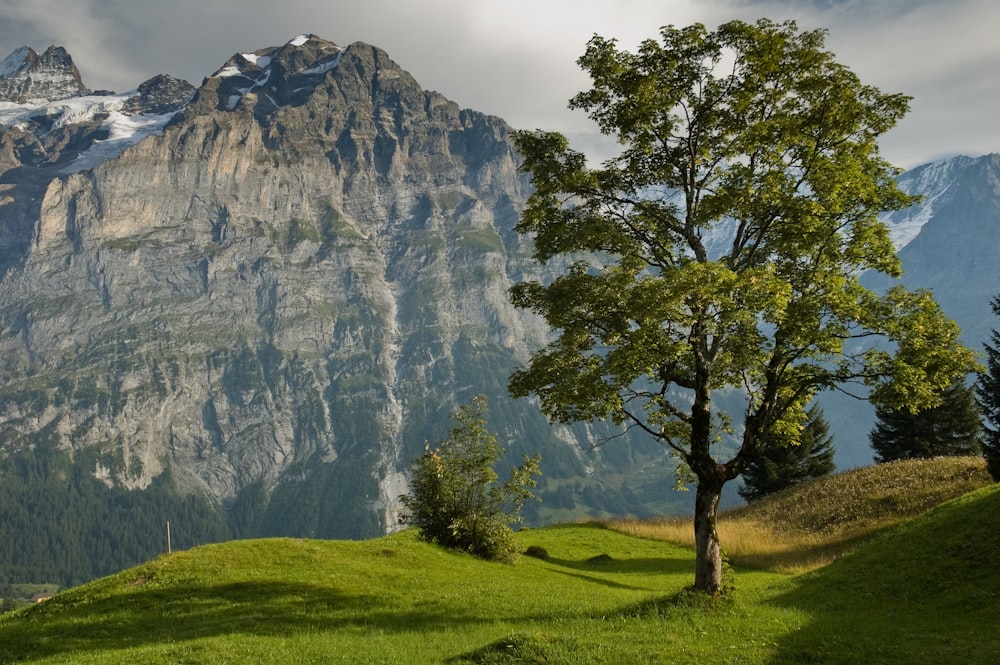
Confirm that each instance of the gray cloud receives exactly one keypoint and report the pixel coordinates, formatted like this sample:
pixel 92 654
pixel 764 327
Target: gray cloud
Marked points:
pixel 516 59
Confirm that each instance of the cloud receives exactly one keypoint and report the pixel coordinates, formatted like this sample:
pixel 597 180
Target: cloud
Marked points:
pixel 517 58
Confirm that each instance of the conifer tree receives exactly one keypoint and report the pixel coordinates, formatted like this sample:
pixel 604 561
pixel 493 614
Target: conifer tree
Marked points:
pixel 783 464
pixel 950 428
pixel 988 397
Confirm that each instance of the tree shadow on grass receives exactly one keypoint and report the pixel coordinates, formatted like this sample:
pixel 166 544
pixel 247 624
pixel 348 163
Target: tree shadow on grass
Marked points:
pixel 638 566
pixel 149 617
pixel 590 569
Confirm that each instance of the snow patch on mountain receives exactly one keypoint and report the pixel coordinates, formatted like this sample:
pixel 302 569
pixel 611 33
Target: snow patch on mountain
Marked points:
pixel 326 66
pixel 124 131
pixel 69 111
pixel 15 62
pixel 261 61
pixel 257 68
pixel 930 181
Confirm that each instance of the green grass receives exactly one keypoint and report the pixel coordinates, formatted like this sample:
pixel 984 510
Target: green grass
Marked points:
pixel 926 591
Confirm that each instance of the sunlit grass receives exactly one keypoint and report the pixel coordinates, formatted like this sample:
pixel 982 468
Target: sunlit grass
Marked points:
pixel 808 526
pixel 924 592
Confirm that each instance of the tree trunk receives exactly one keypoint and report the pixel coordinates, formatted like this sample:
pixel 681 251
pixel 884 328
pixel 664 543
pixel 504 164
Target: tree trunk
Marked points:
pixel 708 554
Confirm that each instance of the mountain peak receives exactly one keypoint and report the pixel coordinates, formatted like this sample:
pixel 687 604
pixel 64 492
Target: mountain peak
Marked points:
pixel 270 77
pixel 26 76
pixel 159 95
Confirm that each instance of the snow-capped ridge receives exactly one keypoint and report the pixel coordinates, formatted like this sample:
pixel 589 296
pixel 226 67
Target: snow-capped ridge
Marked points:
pixel 305 55
pixel 26 76
pixel 931 181
pixel 18 59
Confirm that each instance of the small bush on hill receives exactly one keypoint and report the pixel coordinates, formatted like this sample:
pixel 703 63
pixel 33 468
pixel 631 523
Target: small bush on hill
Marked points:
pixel 455 499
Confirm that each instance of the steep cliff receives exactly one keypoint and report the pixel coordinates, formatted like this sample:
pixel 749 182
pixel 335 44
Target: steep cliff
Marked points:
pixel 278 299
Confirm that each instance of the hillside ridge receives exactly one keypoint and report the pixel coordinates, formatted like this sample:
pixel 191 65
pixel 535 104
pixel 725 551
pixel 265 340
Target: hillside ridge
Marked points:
pixel 601 597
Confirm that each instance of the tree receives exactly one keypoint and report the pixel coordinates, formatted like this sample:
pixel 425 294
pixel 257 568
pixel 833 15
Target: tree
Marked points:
pixel 721 251
pixel 454 498
pixel 782 464
pixel 950 428
pixel 988 397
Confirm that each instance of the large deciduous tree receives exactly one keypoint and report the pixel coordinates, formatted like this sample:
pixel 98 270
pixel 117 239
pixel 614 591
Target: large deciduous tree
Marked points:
pixel 722 249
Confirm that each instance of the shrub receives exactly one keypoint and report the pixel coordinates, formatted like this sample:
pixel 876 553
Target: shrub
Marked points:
pixel 455 499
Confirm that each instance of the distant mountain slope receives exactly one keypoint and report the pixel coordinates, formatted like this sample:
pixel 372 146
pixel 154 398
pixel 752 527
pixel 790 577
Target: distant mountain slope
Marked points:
pixel 950 244
pixel 957 251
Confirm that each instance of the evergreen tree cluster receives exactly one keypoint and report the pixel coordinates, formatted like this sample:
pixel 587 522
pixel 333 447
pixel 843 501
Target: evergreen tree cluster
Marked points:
pixel 59 524
pixel 988 396
pixel 951 428
pixel 782 464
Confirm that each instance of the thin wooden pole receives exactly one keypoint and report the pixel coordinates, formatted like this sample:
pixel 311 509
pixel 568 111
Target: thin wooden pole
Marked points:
pixel 168 536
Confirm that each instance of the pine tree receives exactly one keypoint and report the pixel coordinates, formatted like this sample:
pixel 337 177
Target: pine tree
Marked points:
pixel 988 397
pixel 950 428
pixel 782 465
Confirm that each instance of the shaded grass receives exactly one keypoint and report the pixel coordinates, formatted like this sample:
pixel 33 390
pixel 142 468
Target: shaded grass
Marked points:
pixel 812 524
pixel 927 592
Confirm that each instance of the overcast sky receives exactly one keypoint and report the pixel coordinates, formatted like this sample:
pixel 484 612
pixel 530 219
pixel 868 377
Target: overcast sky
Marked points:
pixel 517 58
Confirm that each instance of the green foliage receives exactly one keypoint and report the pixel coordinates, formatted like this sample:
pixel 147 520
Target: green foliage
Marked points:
pixel 299 231
pixel 455 499
pixel 730 236
pixel 950 428
pixel 58 523
pixel 988 397
pixel 332 500
pixel 782 464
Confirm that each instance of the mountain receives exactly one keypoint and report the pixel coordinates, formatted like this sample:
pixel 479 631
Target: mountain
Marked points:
pixel 948 243
pixel 955 254
pixel 27 76
pixel 268 304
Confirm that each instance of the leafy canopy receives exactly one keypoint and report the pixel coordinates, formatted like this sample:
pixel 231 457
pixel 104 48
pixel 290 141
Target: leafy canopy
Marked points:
pixel 722 248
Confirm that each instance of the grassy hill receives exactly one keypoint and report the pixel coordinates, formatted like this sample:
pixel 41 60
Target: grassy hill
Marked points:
pixel 814 523
pixel 926 590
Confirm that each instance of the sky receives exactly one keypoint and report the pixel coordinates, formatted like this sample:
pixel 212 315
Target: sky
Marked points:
pixel 517 58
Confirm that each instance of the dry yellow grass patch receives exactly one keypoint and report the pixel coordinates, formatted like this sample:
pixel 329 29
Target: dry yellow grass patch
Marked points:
pixel 810 525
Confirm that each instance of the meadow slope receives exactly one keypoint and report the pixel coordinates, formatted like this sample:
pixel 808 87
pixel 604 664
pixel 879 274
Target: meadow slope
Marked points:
pixel 924 591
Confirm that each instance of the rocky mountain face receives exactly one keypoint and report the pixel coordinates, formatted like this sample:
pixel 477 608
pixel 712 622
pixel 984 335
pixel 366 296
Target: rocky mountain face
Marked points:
pixel 949 244
pixel 277 297
pixel 27 76
pixel 956 251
